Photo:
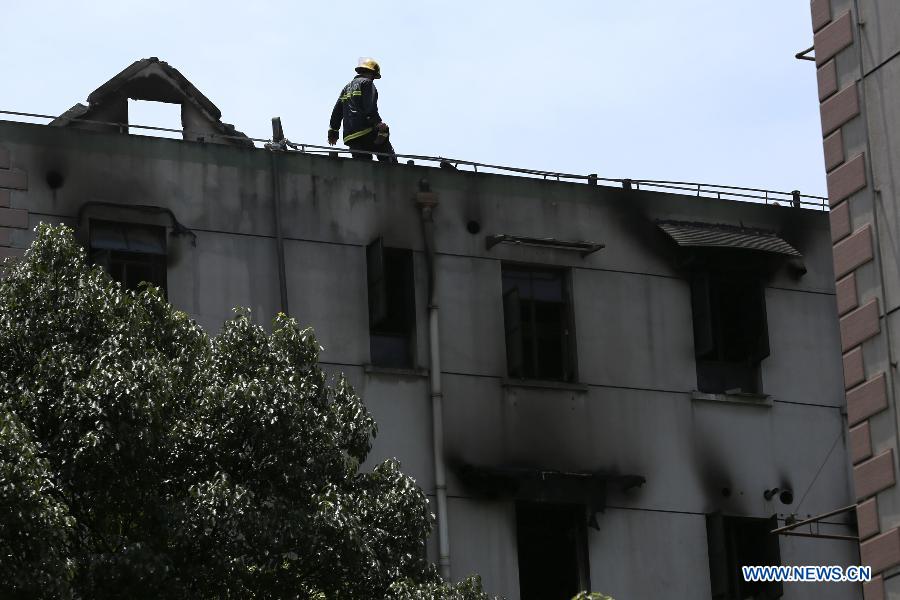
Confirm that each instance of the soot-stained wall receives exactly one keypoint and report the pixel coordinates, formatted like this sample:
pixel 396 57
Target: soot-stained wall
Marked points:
pixel 633 410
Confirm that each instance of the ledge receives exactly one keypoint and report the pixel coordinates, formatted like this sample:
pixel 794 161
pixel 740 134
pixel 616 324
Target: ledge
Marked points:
pixel 545 385
pixel 752 399
pixel 583 248
pixel 418 372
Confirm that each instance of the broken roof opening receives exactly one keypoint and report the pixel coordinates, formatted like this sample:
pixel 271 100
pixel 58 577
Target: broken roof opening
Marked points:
pixel 156 114
pixel 154 80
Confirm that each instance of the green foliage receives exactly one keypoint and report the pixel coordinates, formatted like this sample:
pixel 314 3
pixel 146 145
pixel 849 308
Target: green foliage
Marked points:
pixel 468 589
pixel 35 527
pixel 142 458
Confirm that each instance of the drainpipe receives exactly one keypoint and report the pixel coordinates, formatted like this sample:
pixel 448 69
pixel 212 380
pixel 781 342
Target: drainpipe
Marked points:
pixel 426 200
pixel 279 240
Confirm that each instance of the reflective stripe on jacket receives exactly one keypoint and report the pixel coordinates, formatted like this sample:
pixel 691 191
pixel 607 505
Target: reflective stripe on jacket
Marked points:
pixel 357 107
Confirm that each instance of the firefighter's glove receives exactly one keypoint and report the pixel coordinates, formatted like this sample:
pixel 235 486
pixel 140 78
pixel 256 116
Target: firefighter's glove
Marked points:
pixel 332 137
pixel 383 133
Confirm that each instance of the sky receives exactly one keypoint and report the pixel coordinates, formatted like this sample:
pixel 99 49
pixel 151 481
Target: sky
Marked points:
pixel 696 90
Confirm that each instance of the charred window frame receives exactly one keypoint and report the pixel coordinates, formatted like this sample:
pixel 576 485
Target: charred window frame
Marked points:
pixel 552 548
pixel 538 322
pixel 131 253
pixel 392 314
pixel 731 335
pixel 734 542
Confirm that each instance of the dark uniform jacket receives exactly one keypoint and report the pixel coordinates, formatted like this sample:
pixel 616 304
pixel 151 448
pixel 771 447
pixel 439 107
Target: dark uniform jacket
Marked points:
pixel 357 107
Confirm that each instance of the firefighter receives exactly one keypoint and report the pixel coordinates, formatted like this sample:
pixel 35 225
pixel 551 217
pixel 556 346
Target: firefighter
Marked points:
pixel 357 107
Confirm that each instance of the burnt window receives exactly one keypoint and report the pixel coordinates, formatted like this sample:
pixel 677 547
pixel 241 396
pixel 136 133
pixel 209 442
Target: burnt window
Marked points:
pixel 392 315
pixel 130 253
pixel 551 541
pixel 736 542
pixel 538 323
pixel 730 332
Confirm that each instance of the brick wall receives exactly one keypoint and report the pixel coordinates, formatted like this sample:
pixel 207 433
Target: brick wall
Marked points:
pixel 854 236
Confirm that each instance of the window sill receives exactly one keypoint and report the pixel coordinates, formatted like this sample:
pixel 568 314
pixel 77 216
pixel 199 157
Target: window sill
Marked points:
pixel 395 372
pixel 753 399
pixel 545 384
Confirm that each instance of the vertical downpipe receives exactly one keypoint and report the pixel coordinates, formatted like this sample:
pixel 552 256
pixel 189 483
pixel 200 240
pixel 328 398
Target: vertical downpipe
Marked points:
pixel 279 240
pixel 427 201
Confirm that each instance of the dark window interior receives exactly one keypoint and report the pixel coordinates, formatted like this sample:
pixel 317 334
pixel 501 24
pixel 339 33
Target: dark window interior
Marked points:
pixel 130 253
pixel 538 324
pixel 391 306
pixel 735 542
pixel 730 332
pixel 552 551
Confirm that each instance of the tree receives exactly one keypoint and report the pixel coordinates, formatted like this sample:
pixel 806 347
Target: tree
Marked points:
pixel 142 458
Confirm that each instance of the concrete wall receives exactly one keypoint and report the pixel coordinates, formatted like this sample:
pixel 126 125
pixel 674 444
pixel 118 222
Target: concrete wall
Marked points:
pixel 633 410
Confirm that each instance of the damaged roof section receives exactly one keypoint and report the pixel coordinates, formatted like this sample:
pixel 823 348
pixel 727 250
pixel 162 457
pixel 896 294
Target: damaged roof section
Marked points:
pixel 155 80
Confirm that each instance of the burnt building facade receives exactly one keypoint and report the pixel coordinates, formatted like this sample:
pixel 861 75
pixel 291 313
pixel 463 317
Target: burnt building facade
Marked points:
pixel 599 387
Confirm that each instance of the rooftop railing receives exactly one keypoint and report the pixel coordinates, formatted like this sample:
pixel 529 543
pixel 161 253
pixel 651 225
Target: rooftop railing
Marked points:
pixel 706 190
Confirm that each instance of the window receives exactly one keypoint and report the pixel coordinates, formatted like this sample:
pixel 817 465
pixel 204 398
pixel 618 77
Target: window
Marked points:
pixel 392 315
pixel 741 541
pixel 537 319
pixel 130 253
pixel 552 548
pixel 730 332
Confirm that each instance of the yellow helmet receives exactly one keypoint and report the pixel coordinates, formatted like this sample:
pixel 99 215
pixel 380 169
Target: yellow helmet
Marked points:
pixel 369 64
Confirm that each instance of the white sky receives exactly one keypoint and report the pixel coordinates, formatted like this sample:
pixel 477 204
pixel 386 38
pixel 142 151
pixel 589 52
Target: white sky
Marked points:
pixel 694 90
